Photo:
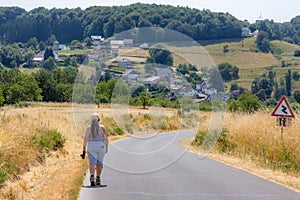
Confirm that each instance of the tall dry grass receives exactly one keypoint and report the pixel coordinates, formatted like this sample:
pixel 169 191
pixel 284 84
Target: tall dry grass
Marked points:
pixel 254 143
pixel 27 165
pixel 258 137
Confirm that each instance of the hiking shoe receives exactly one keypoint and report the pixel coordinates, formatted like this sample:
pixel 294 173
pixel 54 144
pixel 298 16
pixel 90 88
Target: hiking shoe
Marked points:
pixel 92 179
pixel 98 181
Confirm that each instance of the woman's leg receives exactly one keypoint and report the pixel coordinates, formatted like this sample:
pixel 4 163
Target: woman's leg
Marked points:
pixel 92 169
pixel 99 170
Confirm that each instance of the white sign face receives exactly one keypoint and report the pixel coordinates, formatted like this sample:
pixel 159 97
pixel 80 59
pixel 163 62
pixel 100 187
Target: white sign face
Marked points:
pixel 283 109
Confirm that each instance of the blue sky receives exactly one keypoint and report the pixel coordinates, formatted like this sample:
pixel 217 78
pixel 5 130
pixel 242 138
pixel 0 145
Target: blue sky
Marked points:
pixel 278 10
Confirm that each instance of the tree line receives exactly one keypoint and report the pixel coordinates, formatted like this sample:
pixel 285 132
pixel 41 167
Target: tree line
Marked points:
pixel 18 25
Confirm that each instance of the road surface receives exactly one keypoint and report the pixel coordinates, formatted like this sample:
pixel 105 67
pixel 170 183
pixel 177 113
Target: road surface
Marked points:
pixel 154 167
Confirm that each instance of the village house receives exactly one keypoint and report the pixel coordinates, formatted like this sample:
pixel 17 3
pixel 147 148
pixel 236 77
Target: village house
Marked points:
pixel 116 44
pixel 40 57
pixel 151 81
pixel 57 46
pixel 144 46
pixel 94 54
pixel 124 62
pixel 164 73
pixel 205 88
pixel 187 92
pixel 246 32
pixel 97 40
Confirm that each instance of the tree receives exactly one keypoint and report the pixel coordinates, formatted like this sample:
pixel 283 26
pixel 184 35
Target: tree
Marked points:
pixel 48 53
pixel 228 72
pixel 24 88
pixel 182 68
pixel 49 64
pixel 104 91
pixel 296 75
pixel 1 98
pixel 248 102
pixel 288 83
pixel 145 99
pixel 297 96
pixel 10 56
pixel 234 86
pixel 297 53
pixel 159 54
pixel 262 41
pixel 32 42
pixel 126 23
pixel 47 83
pixel 225 48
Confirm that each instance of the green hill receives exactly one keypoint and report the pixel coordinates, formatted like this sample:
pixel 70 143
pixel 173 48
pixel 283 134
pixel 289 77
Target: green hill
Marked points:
pixel 244 55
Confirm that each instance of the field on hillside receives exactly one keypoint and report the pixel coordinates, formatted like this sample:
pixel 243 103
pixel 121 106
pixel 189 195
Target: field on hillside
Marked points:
pixel 242 53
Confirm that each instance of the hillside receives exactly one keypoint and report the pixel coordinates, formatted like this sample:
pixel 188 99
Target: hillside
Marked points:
pixel 242 53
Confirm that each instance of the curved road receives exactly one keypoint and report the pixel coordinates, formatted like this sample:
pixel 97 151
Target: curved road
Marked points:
pixel 154 167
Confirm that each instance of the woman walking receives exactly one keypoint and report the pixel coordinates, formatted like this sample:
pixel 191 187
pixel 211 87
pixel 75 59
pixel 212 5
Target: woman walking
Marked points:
pixel 96 141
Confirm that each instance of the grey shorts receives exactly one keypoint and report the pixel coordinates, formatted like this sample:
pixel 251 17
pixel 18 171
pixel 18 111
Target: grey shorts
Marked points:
pixel 96 152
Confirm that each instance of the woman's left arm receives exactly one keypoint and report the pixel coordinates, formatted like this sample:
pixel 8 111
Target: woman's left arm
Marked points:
pixel 105 137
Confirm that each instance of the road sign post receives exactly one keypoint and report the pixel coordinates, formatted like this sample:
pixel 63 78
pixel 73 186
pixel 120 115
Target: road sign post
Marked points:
pixel 284 115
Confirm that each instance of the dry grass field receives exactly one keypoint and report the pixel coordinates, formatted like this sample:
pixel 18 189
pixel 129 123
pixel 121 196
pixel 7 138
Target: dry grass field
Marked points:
pixel 254 143
pixel 59 174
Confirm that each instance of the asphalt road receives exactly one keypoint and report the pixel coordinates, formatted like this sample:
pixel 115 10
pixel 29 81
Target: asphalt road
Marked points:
pixel 155 168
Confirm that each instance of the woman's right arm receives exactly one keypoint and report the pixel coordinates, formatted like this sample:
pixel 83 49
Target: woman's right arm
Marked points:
pixel 85 140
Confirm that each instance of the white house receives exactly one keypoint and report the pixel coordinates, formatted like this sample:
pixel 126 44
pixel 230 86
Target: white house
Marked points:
pixel 144 46
pixel 97 40
pixel 115 44
pixel 255 33
pixel 55 45
pixel 246 32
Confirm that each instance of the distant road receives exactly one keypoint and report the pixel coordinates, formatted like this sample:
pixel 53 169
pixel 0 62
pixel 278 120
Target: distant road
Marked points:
pixel 156 168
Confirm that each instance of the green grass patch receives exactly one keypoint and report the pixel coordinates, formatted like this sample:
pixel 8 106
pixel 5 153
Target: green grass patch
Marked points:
pixel 213 138
pixel 6 169
pixel 72 52
pixel 49 140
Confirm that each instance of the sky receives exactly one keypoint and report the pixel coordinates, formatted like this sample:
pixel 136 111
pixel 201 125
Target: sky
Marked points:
pixel 278 10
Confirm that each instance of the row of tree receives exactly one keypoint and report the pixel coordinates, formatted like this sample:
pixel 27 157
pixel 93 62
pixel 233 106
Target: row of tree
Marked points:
pixel 17 25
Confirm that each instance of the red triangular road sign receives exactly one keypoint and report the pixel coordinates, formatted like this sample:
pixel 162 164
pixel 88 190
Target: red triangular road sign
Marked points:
pixel 283 109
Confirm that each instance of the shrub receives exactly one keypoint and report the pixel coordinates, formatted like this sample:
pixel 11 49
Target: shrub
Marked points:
pixel 49 140
pixel 246 103
pixel 213 137
pixel 297 53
